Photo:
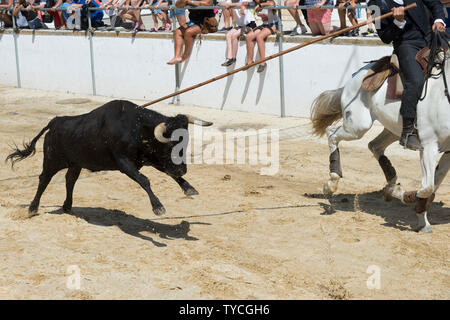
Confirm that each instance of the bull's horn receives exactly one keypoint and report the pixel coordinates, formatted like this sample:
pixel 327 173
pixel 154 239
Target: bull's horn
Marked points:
pixel 195 120
pixel 159 131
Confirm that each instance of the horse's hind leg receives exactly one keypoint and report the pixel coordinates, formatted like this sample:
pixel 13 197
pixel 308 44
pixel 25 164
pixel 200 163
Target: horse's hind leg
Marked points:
pixel 335 135
pixel 423 204
pixel 377 146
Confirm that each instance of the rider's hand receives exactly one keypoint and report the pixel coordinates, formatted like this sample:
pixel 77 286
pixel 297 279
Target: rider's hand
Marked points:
pixel 439 26
pixel 399 14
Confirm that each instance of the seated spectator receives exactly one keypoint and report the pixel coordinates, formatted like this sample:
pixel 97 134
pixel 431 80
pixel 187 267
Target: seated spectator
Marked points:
pixel 63 5
pixel 113 15
pixel 300 27
pixel 347 6
pixel 245 22
pixel 132 14
pixel 167 23
pixel 319 20
pixel 96 16
pixel 228 14
pixel 5 16
pixel 260 34
pixel 28 18
pixel 186 33
pixel 179 14
pixel 156 14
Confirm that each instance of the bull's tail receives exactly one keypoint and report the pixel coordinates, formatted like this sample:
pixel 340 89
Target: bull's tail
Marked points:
pixel 28 150
pixel 325 110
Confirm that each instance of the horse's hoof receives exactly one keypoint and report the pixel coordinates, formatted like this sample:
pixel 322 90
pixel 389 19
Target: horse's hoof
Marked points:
pixel 387 195
pixel 159 211
pixel 426 229
pixel 327 192
pixel 191 192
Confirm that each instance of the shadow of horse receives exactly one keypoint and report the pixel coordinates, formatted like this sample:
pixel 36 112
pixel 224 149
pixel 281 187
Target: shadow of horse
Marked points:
pixel 395 214
pixel 132 225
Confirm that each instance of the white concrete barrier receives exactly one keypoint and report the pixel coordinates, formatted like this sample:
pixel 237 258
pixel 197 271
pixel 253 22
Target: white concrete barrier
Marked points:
pixel 135 68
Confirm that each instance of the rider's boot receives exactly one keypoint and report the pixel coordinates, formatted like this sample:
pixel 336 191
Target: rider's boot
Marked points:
pixel 410 138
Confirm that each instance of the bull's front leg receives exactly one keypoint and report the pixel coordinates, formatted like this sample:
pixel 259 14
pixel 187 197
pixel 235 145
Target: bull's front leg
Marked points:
pixel 127 167
pixel 185 186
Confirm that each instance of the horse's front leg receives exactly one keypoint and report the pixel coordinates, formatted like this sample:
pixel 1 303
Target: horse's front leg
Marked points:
pixel 432 177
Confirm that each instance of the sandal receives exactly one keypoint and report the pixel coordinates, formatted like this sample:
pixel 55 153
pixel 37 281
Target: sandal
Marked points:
pixel 168 27
pixel 153 30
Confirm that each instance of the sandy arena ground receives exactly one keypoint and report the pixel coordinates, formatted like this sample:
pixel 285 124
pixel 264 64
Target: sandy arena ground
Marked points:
pixel 246 236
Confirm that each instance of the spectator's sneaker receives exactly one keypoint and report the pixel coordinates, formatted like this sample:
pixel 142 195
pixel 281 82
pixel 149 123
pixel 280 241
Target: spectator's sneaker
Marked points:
pixel 153 30
pixel 135 28
pixel 225 29
pixel 295 31
pixel 354 33
pixel 229 62
pixel 261 68
pixel 303 28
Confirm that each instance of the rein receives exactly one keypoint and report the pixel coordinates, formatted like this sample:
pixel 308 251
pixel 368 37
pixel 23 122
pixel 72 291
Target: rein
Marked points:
pixel 438 45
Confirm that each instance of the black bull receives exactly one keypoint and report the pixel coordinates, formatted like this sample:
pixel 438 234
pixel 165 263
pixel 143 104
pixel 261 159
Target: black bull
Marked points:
pixel 119 135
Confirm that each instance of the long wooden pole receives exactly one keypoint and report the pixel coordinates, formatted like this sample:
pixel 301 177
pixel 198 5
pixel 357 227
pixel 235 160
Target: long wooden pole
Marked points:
pixel 333 34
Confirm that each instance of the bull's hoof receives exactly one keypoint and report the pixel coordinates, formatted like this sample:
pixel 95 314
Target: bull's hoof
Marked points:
pixel 67 209
pixel 191 192
pixel 426 229
pixel 159 211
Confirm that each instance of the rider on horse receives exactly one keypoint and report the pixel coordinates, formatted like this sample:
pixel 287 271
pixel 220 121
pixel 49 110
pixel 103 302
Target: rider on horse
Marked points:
pixel 410 32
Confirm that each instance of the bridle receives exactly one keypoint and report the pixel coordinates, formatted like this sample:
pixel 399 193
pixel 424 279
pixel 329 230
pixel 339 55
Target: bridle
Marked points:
pixel 439 48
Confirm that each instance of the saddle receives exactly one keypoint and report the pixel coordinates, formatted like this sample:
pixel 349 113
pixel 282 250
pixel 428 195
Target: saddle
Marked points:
pixel 388 68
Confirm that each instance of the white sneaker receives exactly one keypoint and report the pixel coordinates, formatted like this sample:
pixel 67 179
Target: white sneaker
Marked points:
pixel 294 31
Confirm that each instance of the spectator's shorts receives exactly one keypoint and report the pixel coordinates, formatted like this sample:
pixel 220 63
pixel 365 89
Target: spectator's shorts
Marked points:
pixel 319 15
pixel 178 12
pixel 268 26
pixel 194 22
pixel 64 6
pixel 246 29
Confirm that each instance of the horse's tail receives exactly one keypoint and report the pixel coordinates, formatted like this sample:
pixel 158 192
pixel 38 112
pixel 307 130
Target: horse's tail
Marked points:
pixel 325 110
pixel 28 150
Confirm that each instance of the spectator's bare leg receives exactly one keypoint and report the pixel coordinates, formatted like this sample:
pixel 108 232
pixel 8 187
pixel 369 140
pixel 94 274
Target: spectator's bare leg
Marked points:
pixel 369 16
pixel 325 28
pixel 181 20
pixel 189 37
pixel 261 40
pixel 342 18
pixel 352 19
pixel 7 19
pixel 235 42
pixel 315 28
pixel 249 39
pixel 232 42
pixel 294 13
pixel 178 38
pixel 155 21
pixel 226 17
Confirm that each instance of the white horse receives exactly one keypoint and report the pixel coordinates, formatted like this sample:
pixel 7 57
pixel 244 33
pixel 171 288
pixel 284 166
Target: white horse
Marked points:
pixel 359 109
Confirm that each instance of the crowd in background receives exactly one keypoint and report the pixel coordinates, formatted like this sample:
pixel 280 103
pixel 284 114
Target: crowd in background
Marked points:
pixel 117 13
pixel 240 19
